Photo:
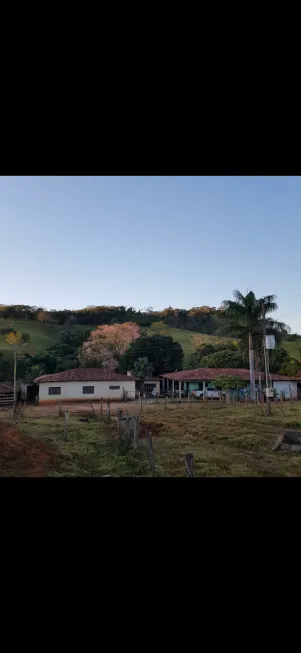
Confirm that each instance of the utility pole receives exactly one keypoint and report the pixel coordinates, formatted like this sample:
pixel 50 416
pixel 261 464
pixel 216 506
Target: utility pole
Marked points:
pixel 266 362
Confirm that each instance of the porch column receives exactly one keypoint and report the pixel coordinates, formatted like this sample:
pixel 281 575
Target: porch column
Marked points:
pixel 180 388
pixel 173 386
pixel 204 390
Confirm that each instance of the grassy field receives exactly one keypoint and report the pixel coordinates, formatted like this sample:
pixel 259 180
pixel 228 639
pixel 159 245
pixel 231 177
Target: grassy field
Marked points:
pixel 233 440
pixel 293 348
pixel 188 339
pixel 41 335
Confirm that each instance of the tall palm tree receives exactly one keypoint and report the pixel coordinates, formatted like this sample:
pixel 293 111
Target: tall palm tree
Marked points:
pixel 244 319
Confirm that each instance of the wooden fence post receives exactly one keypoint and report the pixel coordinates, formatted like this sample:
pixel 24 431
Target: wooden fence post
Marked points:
pixel 150 450
pixel 60 410
pixel 100 409
pixel 119 416
pixel 189 463
pixel 108 409
pixel 136 431
pixel 165 402
pixel 66 425
pixel 141 402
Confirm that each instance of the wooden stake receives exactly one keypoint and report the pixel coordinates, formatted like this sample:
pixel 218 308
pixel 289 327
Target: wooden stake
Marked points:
pixel 100 409
pixel 189 463
pixel 66 425
pixel 141 402
pixel 119 416
pixel 150 450
pixel 108 409
pixel 136 431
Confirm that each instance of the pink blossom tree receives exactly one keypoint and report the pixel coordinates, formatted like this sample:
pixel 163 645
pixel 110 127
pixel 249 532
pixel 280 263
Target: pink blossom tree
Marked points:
pixel 107 343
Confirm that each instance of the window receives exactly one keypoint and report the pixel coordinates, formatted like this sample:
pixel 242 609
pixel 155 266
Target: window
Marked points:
pixel 114 387
pixel 88 389
pixel 54 391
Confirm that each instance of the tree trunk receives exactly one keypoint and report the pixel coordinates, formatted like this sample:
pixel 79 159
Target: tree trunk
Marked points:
pixel 252 372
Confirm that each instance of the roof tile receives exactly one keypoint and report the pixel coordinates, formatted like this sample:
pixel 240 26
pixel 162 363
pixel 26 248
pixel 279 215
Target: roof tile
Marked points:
pixel 83 374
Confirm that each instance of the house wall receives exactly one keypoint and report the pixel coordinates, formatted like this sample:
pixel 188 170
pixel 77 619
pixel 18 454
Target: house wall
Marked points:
pixel 73 390
pixel 286 386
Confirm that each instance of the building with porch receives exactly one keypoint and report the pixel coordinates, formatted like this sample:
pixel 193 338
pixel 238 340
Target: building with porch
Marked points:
pixel 203 379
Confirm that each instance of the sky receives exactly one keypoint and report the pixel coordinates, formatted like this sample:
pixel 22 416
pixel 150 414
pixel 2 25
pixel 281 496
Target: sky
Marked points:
pixel 71 242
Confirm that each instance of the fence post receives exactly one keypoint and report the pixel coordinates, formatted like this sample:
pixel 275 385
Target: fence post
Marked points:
pixel 150 450
pixel 136 431
pixel 119 415
pixel 66 425
pixel 165 402
pixel 145 397
pixel 100 409
pixel 189 463
pixel 141 402
pixel 108 409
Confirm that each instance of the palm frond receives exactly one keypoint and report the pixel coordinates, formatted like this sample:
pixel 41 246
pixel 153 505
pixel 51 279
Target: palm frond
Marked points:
pixel 238 296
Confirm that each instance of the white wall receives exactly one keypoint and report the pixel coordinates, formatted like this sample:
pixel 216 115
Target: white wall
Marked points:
pixel 285 386
pixel 74 390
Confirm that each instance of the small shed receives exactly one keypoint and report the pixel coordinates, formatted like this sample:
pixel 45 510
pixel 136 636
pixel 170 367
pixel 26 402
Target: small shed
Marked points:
pixel 6 394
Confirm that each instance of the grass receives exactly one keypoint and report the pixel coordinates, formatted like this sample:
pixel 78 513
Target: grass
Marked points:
pixel 42 335
pixel 293 348
pixel 233 440
pixel 188 339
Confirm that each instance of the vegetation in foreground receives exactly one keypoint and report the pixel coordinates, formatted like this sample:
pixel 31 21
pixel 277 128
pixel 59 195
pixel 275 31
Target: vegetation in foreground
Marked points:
pixel 226 440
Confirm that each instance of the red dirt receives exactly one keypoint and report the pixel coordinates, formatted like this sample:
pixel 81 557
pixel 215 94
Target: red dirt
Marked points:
pixel 21 455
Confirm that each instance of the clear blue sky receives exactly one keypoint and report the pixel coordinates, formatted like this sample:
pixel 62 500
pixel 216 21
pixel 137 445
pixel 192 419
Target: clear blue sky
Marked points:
pixel 69 242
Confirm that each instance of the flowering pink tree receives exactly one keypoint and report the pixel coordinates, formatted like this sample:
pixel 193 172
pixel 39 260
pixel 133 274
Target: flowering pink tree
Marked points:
pixel 107 343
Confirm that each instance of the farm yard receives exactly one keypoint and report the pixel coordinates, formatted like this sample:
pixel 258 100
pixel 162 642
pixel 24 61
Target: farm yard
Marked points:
pixel 225 440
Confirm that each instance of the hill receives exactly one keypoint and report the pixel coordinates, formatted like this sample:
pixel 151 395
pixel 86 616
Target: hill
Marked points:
pixel 293 348
pixel 188 339
pixel 41 335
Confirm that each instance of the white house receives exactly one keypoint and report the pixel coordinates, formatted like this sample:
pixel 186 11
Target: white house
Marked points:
pixel 83 383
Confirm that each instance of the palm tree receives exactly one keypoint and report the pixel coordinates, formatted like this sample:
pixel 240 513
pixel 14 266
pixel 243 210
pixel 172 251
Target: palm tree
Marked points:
pixel 244 319
pixel 142 369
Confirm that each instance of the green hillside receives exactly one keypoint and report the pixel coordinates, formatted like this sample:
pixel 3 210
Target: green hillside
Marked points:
pixel 188 339
pixel 44 335
pixel 293 348
pixel 41 335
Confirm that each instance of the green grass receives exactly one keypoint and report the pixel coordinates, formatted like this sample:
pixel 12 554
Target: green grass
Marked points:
pixel 293 348
pixel 42 335
pixel 225 440
pixel 188 339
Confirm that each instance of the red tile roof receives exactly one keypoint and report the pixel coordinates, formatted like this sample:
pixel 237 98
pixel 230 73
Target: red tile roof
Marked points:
pixel 83 374
pixel 210 373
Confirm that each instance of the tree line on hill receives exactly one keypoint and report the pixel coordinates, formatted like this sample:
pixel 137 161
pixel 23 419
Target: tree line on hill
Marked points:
pixel 202 319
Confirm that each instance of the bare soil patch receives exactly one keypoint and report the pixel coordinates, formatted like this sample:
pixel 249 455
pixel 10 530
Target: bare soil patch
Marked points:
pixel 21 455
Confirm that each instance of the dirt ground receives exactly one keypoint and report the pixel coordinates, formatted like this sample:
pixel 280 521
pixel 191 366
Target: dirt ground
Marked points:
pixel 21 455
pixel 32 410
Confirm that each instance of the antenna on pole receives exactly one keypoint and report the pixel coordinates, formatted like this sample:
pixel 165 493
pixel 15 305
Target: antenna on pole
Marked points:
pixel 266 362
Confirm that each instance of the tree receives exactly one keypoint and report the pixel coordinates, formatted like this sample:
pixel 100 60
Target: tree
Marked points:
pixel 16 341
pixel 208 349
pixel 142 369
pixel 25 337
pixel 243 318
pixel 162 352
pixel 108 343
pixel 224 358
pixel 34 372
pixel 226 383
